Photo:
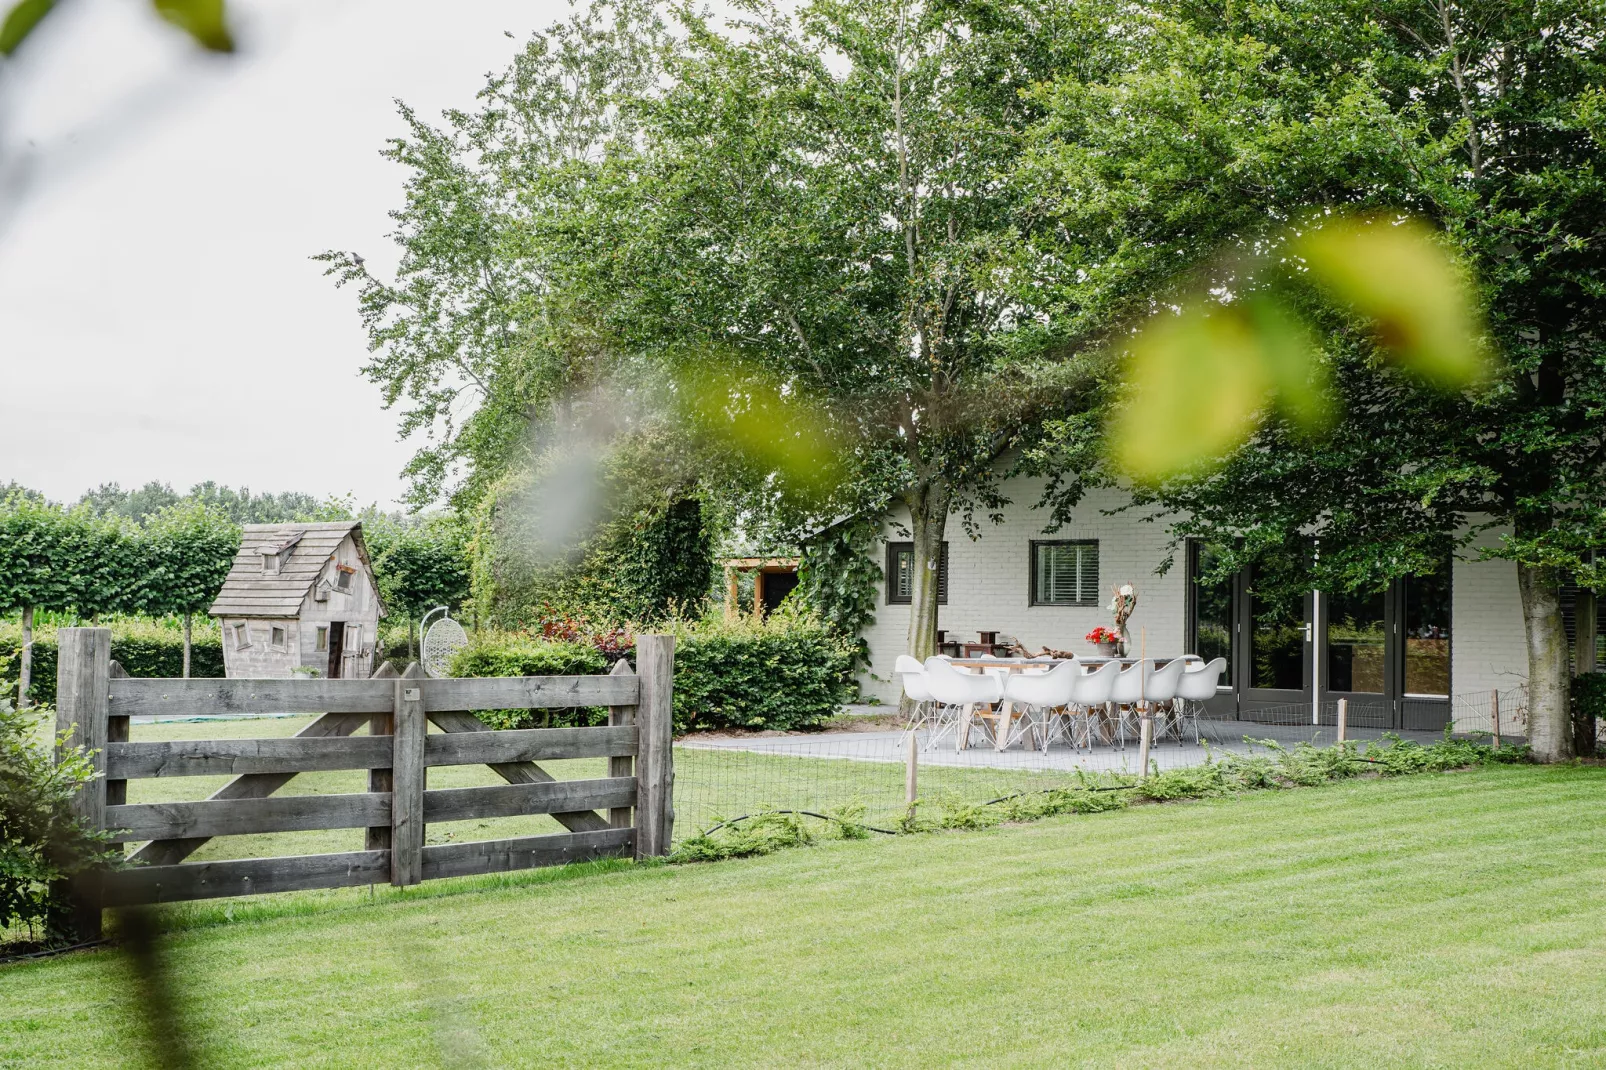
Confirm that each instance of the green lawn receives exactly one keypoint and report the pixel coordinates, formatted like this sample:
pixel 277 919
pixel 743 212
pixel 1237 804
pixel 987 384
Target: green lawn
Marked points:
pixel 1439 920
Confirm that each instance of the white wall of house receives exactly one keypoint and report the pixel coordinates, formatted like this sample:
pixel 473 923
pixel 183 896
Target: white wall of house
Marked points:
pixel 989 579
pixel 1488 649
pixel 988 589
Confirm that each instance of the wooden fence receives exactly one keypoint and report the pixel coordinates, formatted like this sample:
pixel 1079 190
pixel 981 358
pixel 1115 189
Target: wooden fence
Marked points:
pixel 626 813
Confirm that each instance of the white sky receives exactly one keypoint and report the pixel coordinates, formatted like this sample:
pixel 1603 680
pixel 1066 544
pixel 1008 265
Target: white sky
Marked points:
pixel 159 315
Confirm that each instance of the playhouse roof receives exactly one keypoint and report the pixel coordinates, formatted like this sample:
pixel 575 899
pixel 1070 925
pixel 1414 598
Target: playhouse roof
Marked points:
pixel 249 591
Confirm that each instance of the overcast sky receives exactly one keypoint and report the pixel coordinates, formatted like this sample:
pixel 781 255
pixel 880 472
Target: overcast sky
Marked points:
pixel 159 315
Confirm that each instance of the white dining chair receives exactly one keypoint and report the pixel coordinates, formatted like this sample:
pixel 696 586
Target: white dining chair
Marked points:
pixel 1196 687
pixel 971 694
pixel 1041 695
pixel 1126 694
pixel 1159 692
pixel 1090 702
pixel 913 675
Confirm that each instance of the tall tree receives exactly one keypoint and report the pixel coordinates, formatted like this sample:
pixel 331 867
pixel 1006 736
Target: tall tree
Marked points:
pixel 187 550
pixel 1484 116
pixel 418 564
pixel 817 210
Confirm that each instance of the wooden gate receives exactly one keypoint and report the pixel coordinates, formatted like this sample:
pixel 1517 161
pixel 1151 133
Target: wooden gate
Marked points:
pixel 627 813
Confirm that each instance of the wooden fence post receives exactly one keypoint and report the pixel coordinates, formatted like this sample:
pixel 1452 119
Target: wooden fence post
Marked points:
pixel 1145 737
pixel 911 774
pixel 1343 718
pixel 1494 718
pixel 655 721
pixel 83 689
pixel 407 780
pixel 380 724
pixel 622 765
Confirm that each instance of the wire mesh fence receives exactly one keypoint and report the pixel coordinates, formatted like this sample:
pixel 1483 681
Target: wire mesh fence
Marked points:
pixel 717 779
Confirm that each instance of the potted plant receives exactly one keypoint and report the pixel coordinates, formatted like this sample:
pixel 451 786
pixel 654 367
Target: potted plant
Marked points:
pixel 1106 640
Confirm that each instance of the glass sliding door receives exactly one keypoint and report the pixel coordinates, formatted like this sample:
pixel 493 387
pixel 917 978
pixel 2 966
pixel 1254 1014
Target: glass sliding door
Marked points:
pixel 1355 657
pixel 1275 661
pixel 1212 620
pixel 1425 650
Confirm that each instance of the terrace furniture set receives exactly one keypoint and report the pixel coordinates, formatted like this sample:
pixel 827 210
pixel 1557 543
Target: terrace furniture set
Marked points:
pixel 1040 700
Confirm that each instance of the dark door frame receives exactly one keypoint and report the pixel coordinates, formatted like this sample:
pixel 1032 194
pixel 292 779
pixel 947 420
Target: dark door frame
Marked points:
pixel 337 647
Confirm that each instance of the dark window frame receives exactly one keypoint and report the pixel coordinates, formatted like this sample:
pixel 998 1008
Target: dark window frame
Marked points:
pixel 896 548
pixel 1031 580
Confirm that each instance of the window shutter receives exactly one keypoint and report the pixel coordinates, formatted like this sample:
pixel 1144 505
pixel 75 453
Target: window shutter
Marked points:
pixel 942 575
pixel 1089 570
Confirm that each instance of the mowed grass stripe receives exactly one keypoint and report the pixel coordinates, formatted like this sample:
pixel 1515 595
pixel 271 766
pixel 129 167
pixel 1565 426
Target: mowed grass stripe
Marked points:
pixel 1449 920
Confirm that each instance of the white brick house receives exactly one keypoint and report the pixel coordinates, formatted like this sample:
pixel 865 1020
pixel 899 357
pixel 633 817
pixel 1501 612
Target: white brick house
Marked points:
pixel 1401 654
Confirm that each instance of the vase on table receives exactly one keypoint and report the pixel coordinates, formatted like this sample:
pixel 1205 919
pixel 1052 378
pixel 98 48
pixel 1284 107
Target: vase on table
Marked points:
pixel 1108 650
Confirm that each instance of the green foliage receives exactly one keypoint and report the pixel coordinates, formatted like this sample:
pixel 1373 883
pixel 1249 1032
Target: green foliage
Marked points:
pixel 1588 694
pixel 786 672
pixel 42 845
pixel 760 834
pixel 142 648
pixel 836 579
pixel 419 563
pixel 203 20
pixel 186 551
pixel 522 655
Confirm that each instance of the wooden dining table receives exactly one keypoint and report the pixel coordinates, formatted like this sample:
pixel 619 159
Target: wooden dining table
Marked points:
pixel 1006 709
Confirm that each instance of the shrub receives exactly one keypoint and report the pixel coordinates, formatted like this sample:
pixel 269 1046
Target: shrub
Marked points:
pixel 142 647
pixel 786 672
pixel 1589 708
pixel 42 845
pixel 523 655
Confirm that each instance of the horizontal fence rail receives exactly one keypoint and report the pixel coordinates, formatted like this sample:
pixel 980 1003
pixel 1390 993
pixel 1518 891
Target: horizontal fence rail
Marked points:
pixel 626 812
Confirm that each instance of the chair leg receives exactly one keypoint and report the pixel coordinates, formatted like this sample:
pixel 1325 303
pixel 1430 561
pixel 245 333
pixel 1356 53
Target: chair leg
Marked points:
pixel 962 740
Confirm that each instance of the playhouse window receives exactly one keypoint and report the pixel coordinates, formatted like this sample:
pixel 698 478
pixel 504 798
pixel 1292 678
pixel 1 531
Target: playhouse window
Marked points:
pixel 321 638
pixel 343 577
pixel 241 638
pixel 276 638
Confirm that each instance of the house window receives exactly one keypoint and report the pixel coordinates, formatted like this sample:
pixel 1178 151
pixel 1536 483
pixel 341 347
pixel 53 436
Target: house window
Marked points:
pixel 1065 573
pixel 270 564
pixel 343 577
pixel 321 638
pixel 276 638
pixel 901 574
pixel 241 639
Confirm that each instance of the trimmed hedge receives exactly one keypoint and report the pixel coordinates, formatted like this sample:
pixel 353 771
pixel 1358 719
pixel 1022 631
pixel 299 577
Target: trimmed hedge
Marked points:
pixel 786 673
pixel 523 655
pixel 143 648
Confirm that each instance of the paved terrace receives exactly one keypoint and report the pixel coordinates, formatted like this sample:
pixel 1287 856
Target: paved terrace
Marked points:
pixel 890 746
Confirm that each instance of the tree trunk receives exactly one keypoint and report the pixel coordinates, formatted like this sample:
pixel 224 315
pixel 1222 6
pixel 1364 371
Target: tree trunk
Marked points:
pixel 1550 729
pixel 186 646
pixel 928 520
pixel 25 670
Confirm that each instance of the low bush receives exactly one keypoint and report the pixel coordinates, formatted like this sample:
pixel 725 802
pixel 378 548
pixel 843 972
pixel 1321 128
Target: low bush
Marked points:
pixel 523 655
pixel 142 647
pixel 786 672
pixel 1089 793
pixel 43 847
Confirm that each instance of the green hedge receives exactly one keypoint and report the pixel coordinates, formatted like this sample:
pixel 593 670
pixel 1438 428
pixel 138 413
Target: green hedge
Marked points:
pixel 522 655
pixel 786 673
pixel 141 647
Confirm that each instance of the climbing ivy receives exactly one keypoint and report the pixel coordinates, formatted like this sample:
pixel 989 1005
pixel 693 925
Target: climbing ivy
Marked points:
pixel 837 577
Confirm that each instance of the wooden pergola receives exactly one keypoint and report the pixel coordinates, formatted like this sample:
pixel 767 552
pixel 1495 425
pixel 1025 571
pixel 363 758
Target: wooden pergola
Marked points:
pixel 759 567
